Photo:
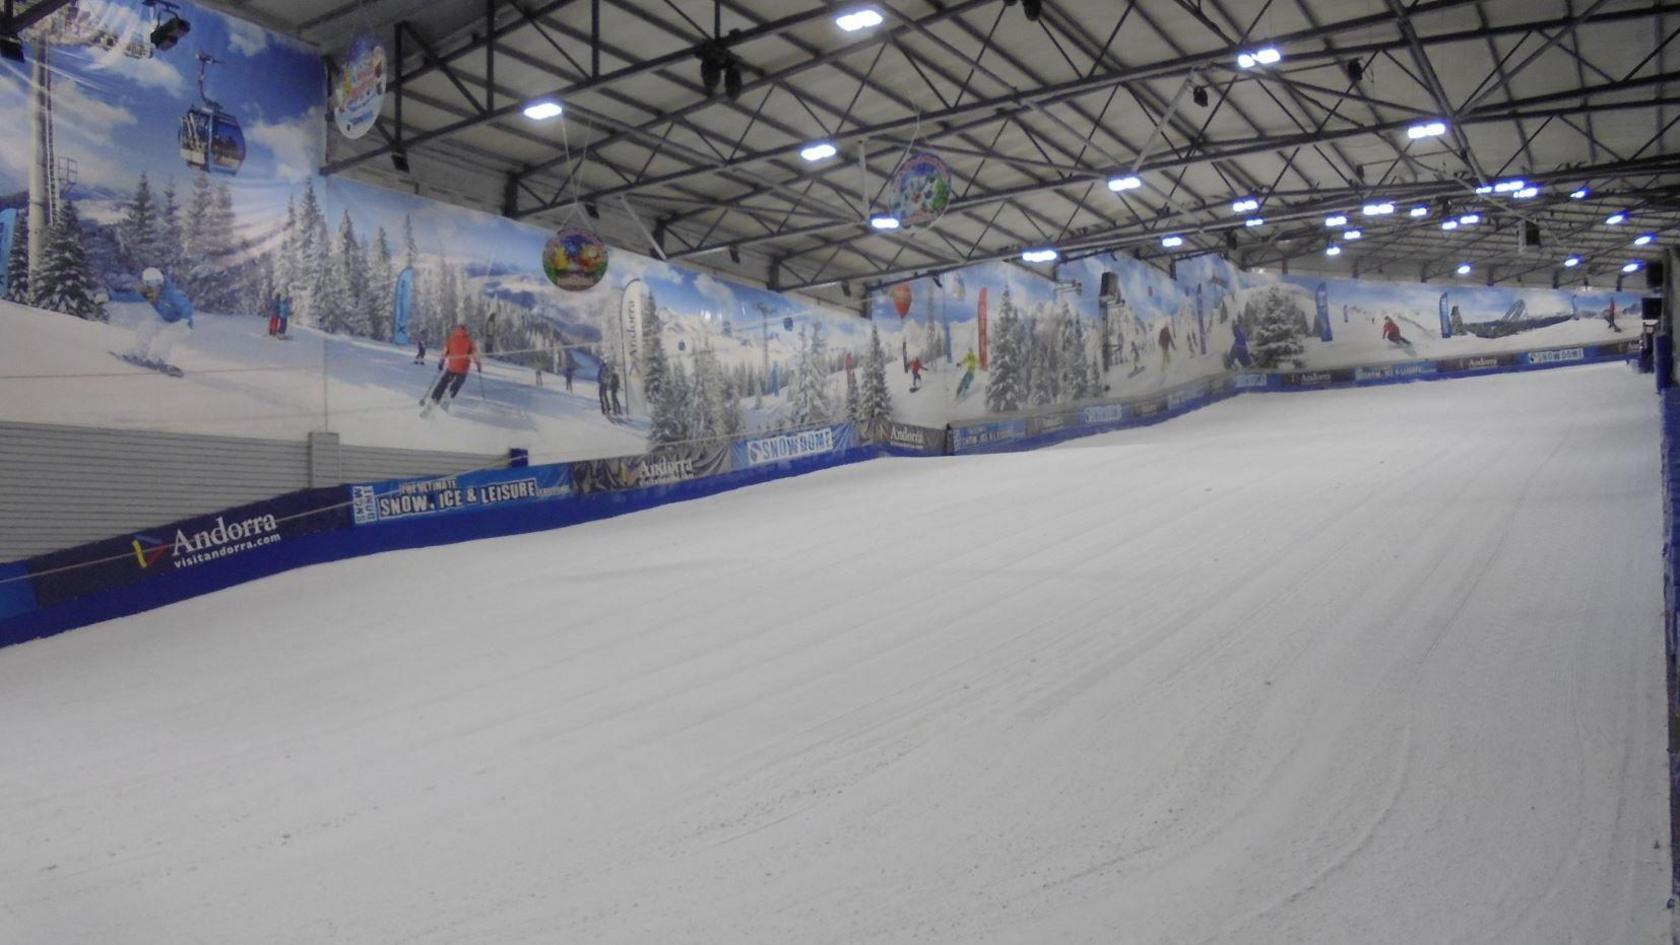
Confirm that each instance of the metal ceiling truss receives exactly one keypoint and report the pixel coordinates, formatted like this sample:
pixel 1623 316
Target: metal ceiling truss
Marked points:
pixel 715 175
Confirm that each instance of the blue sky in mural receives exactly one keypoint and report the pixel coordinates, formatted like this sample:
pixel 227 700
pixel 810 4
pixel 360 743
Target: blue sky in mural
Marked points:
pixel 117 116
pixel 1475 302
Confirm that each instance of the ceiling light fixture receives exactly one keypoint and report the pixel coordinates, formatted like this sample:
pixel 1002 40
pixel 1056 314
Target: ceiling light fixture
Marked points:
pixel 1572 262
pixel 1254 222
pixel 1332 250
pixel 1632 266
pixel 1245 205
pixel 1264 56
pixel 1463 269
pixel 1643 239
pixel 859 19
pixel 1039 255
pixel 1335 221
pixel 1352 235
pixel 1430 129
pixel 819 151
pixel 882 221
pixel 1581 194
pixel 1172 242
pixel 1615 218
pixel 543 110
pixel 1128 182
pixel 1418 212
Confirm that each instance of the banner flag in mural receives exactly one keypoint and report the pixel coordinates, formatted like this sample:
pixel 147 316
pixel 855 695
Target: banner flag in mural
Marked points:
pixel 8 231
pixel 1321 297
pixel 980 316
pixel 404 499
pixel 1446 322
pixel 402 308
pixel 662 466
pixel 1201 321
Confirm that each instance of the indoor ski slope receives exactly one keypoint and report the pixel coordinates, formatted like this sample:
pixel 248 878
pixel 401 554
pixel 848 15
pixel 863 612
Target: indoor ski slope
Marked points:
pixel 1365 666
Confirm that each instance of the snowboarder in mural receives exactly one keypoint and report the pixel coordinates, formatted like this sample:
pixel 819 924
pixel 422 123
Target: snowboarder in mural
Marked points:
pixel 1239 349
pixel 1391 333
pixel 970 364
pixel 458 357
pixel 171 319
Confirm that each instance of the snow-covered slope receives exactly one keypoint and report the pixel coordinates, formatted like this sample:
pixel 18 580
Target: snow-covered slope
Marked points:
pixel 1359 666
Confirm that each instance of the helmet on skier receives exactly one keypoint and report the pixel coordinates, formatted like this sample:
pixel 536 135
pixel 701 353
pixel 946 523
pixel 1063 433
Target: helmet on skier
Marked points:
pixel 152 278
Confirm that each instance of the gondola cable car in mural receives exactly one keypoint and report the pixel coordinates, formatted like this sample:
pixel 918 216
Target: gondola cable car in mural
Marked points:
pixel 211 139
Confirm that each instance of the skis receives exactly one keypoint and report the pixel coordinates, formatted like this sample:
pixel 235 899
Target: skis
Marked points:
pixel 158 366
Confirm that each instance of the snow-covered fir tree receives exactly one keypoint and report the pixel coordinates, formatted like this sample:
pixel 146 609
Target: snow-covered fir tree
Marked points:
pixel 810 395
pixel 285 263
pixel 1277 327
pixel 664 397
pixel 309 258
pixel 1072 383
pixel 1006 389
pixel 382 288
pixel 169 235
pixel 218 278
pixel 874 403
pixel 139 230
pixel 351 279
pixel 63 282
pixel 17 264
pixel 195 239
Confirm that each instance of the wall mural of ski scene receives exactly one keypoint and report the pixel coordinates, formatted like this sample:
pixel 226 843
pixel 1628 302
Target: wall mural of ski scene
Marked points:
pixel 193 274
pixel 1000 339
pixel 174 262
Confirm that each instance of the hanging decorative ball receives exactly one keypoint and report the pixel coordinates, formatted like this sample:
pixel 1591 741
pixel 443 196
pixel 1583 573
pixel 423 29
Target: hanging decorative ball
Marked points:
pixel 358 89
pixel 920 190
pixel 575 259
pixel 901 298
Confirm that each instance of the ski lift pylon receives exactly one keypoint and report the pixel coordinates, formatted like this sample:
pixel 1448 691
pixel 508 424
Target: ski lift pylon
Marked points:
pixel 211 139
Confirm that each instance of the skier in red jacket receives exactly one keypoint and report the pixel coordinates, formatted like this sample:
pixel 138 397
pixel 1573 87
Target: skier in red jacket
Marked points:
pixel 459 354
pixel 1391 332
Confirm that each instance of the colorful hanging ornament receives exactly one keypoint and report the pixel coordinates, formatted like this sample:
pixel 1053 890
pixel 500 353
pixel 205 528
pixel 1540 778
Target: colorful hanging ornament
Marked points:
pixel 575 259
pixel 358 91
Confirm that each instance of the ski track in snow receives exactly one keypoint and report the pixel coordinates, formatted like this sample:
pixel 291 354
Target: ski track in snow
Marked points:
pixel 1374 666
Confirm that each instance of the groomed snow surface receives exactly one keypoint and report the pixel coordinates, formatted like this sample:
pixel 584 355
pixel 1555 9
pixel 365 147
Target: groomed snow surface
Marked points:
pixel 1362 666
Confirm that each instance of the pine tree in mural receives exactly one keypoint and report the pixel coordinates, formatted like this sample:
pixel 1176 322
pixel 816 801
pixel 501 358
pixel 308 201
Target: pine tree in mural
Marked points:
pixel 139 230
pixel 63 282
pixel 285 263
pixel 1041 372
pixel 217 281
pixel 382 289
pixel 1276 330
pixel 17 264
pixel 874 403
pixel 195 245
pixel 664 393
pixel 169 235
pixel 308 259
pixel 810 396
pixel 1006 388
pixel 350 282
pixel 1072 383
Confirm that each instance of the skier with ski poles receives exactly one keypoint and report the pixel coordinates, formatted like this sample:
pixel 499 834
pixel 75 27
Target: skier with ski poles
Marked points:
pixel 459 355
pixel 970 364
pixel 617 408
pixel 174 319
pixel 915 374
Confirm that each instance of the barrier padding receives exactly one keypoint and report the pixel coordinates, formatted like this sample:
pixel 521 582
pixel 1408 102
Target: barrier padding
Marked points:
pixel 23 618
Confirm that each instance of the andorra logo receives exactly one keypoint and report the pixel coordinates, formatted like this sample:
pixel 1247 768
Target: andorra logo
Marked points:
pixel 147 550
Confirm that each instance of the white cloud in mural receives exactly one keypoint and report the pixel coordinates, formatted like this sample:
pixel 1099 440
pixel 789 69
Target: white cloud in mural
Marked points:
pixel 156 72
pixel 296 145
pixel 246 38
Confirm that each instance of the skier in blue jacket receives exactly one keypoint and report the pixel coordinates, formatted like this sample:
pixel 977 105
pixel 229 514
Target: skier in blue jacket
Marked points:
pixel 174 318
